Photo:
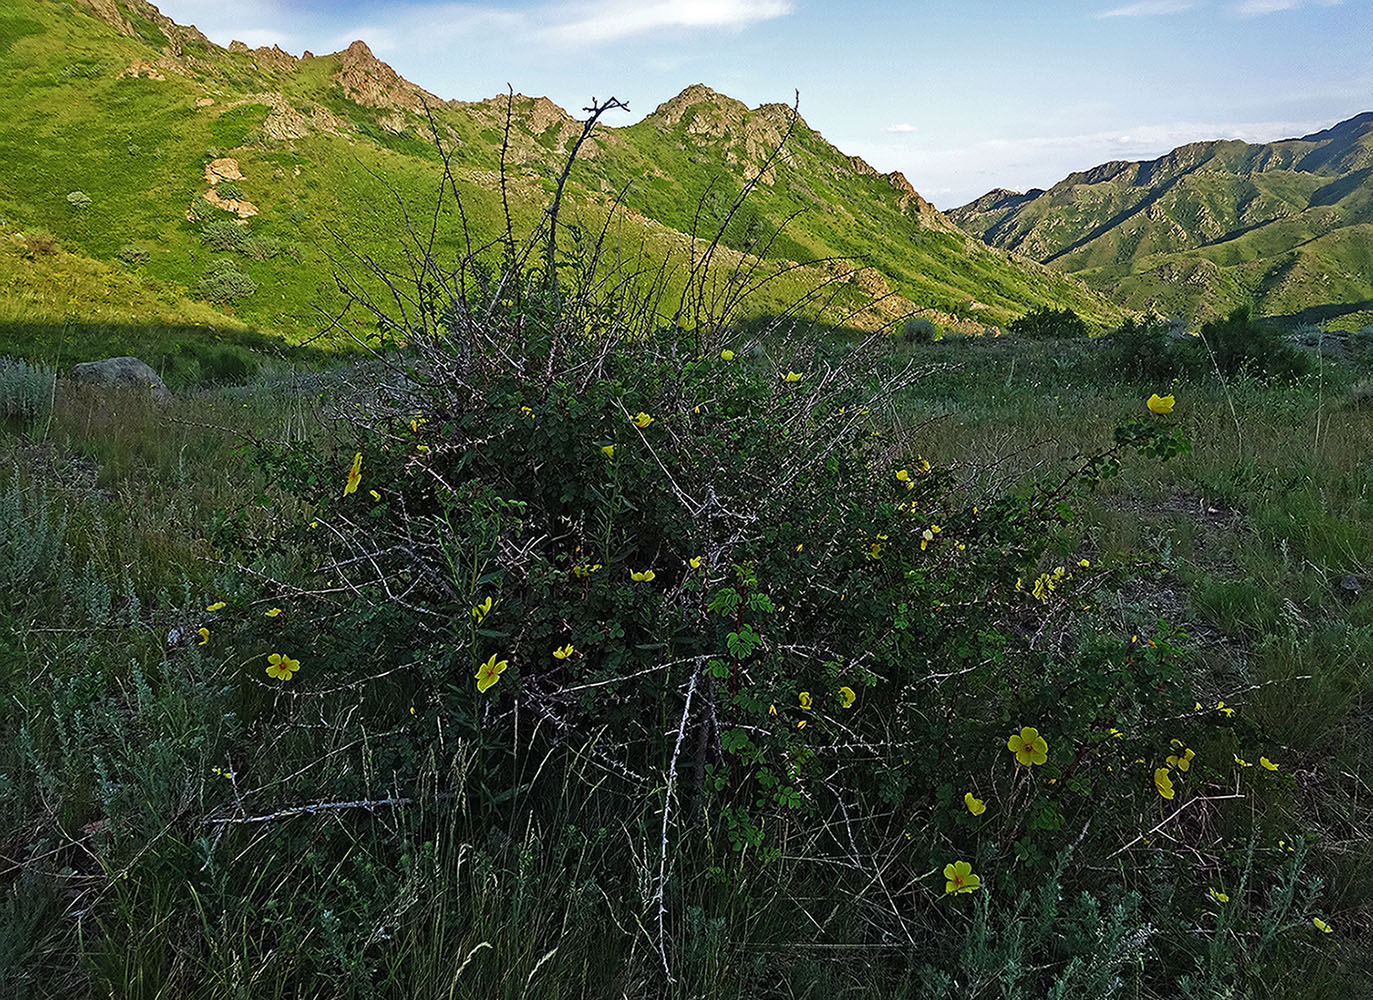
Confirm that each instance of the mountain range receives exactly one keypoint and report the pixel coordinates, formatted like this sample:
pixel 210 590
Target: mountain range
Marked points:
pixel 229 185
pixel 1285 227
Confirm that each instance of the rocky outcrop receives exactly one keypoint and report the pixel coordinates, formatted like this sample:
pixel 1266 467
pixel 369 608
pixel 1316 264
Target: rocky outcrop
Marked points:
pixel 368 81
pixel 125 373
pixel 142 68
pixel 224 168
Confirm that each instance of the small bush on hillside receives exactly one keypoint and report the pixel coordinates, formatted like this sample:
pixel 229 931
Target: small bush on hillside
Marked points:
pixel 1239 343
pixel 918 330
pixel 79 199
pixel 231 191
pixel 40 243
pixel 262 247
pixel 223 235
pixel 25 389
pixel 1046 323
pixel 224 283
pixel 132 255
pixel 1145 349
pixel 201 211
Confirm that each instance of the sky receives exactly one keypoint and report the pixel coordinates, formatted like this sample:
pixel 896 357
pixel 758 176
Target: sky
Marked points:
pixel 960 97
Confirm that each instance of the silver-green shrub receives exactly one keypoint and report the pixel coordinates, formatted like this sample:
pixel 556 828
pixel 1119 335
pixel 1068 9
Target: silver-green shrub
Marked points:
pixel 26 390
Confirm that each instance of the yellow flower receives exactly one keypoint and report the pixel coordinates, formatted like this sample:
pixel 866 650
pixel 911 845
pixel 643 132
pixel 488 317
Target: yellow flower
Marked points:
pixel 608 450
pixel 1241 761
pixel 903 475
pixel 489 673
pixel 376 497
pixel 695 562
pixel 772 710
pixel 526 411
pixel 483 609
pixel 1160 404
pixel 805 699
pixel 417 422
pixel 1267 764
pixel 927 536
pixel 1183 761
pixel 563 652
pixel 281 667
pixel 792 376
pixel 354 475
pixel 1322 926
pixel 585 569
pixel 960 878
pixel 204 634
pixel 1084 563
pixel 314 525
pixel 645 577
pixel 216 606
pixel 801 724
pixel 847 696
pixel 1163 782
pixel 975 805
pixel 423 448
pixel 726 355
pixel 642 420
pixel 1227 712
pixel 1028 746
pixel 1219 897
pixel 273 613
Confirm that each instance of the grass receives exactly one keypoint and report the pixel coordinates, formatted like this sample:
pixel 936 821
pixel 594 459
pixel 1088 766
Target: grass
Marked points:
pixel 542 893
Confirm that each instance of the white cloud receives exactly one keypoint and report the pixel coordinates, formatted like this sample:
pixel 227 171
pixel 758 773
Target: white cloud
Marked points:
pixel 1254 8
pixel 428 26
pixel 1149 8
pixel 610 20
pixel 903 128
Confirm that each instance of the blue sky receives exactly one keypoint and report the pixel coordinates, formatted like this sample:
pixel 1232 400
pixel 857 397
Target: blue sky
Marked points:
pixel 961 97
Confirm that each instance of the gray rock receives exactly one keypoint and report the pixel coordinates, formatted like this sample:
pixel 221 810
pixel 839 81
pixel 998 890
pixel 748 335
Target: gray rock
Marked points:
pixel 121 373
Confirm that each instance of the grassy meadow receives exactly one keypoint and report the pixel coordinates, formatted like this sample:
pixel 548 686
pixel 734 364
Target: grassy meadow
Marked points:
pixel 177 824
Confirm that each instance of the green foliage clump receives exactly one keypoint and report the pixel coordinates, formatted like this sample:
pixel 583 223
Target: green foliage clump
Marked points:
pixel 918 330
pixel 1239 343
pixel 133 255
pixel 263 247
pixel 1046 322
pixel 26 390
pixel 223 282
pixel 201 211
pixel 718 569
pixel 1145 349
pixel 230 191
pixel 223 235
pixel 79 199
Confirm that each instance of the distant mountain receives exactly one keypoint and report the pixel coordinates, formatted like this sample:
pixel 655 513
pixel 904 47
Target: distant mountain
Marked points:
pixel 1285 226
pixel 118 127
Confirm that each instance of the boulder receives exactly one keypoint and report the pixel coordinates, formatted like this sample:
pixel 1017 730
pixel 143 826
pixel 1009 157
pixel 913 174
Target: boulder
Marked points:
pixel 121 373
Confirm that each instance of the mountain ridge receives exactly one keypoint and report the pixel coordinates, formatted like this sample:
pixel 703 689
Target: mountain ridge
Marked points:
pixel 327 147
pixel 1285 226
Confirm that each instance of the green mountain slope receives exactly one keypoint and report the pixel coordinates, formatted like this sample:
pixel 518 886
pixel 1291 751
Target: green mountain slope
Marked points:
pixel 116 124
pixel 1286 226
